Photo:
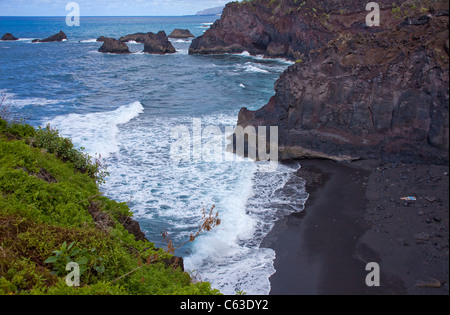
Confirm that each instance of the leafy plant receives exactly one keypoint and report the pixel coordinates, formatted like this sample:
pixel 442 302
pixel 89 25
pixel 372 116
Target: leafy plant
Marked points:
pixel 49 139
pixel 67 254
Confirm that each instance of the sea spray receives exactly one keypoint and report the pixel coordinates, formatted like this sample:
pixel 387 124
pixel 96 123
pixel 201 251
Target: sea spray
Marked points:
pixel 102 128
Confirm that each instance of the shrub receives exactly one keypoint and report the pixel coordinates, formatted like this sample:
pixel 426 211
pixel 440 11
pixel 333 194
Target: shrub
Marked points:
pixel 47 192
pixel 50 140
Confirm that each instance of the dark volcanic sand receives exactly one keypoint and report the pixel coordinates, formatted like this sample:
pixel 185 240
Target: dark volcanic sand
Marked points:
pixel 354 216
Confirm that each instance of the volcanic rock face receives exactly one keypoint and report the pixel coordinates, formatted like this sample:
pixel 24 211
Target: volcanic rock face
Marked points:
pixel 283 28
pixel 137 37
pixel 101 39
pixel 381 95
pixel 55 38
pixel 113 46
pixel 153 43
pixel 158 44
pixel 178 33
pixel 9 36
pixel 355 92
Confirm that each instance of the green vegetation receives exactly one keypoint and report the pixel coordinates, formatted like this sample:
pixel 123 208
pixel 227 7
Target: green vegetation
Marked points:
pixel 412 8
pixel 52 213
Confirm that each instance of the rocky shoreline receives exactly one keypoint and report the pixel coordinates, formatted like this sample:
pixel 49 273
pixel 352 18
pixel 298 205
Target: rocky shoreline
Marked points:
pixel 355 92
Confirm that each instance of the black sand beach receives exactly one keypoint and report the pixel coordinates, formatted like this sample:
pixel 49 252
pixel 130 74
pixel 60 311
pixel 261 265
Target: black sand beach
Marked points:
pixel 354 216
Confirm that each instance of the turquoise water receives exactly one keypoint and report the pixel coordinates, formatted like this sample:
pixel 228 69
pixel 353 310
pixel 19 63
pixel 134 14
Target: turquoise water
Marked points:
pixel 125 109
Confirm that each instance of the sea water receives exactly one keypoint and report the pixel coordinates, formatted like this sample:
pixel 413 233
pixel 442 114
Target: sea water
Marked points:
pixel 124 108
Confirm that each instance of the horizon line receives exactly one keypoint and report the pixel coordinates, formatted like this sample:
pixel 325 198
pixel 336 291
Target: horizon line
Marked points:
pixel 63 16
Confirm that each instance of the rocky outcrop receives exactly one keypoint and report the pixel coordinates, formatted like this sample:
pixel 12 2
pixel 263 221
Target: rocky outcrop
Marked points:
pixel 158 44
pixel 101 39
pixel 55 38
pixel 153 43
pixel 133 227
pixel 9 36
pixel 137 37
pixel 283 28
pixel 367 95
pixel 182 34
pixel 113 46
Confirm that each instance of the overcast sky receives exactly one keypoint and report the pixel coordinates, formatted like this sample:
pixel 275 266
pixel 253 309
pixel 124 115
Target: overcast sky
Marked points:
pixel 107 7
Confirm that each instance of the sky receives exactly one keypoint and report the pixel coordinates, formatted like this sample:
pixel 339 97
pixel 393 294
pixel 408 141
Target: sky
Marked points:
pixel 107 7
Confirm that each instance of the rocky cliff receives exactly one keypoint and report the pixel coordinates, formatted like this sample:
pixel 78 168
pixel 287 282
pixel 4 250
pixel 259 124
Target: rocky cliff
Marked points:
pixel 282 28
pixel 355 92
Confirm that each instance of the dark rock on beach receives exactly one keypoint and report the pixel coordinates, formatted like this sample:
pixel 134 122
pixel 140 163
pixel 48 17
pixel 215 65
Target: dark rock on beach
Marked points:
pixel 179 33
pixel 9 36
pixel 55 38
pixel 158 44
pixel 113 46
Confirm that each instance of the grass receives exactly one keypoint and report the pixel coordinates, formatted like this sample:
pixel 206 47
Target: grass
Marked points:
pixel 48 194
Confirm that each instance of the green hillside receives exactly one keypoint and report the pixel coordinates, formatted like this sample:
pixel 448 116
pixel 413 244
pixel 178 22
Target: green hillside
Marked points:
pixel 52 213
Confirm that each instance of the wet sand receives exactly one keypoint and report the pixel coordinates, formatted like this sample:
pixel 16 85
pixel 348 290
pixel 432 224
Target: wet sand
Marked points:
pixel 355 216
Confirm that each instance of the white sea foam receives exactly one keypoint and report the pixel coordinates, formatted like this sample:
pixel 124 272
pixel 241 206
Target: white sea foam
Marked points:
pixel 171 195
pixel 18 103
pixel 254 68
pixel 231 257
pixel 184 41
pixel 97 131
pixel 18 40
pixel 262 57
pixel 92 40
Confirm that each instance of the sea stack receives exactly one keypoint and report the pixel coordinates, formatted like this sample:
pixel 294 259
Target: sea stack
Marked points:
pixel 9 36
pixel 181 34
pixel 113 46
pixel 101 39
pixel 158 44
pixel 137 37
pixel 55 38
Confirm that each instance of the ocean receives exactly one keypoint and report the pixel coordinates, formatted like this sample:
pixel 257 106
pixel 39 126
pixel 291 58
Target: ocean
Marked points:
pixel 125 108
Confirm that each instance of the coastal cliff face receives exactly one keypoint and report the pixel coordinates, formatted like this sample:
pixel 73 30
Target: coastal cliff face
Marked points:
pixel 281 28
pixel 357 92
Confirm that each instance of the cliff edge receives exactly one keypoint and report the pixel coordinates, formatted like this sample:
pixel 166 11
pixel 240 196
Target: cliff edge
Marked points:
pixel 355 92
